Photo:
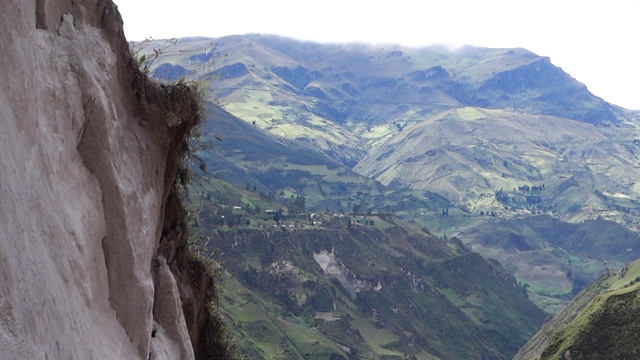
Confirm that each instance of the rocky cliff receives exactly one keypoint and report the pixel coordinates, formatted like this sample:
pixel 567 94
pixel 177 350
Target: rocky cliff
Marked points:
pixel 91 233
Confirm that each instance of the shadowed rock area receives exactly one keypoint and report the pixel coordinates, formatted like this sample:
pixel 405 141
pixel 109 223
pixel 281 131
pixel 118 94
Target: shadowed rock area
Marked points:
pixel 91 228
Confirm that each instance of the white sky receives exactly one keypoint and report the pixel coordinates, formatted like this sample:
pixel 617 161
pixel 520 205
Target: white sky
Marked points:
pixel 596 42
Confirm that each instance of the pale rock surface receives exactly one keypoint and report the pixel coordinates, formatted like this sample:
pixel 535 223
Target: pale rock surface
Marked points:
pixel 82 192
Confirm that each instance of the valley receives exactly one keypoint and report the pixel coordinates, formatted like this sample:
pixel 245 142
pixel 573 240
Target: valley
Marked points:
pixel 359 286
pixel 399 166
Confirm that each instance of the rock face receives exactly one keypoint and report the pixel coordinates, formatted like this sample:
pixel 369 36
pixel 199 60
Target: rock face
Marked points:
pixel 90 150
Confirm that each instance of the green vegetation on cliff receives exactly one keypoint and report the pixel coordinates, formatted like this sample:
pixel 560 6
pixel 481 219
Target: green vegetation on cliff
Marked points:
pixel 601 323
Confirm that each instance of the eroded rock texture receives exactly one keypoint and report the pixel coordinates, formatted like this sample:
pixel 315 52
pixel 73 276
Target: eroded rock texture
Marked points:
pixel 88 154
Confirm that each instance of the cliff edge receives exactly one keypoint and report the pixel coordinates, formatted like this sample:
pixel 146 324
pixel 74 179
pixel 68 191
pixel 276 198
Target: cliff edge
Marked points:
pixel 91 229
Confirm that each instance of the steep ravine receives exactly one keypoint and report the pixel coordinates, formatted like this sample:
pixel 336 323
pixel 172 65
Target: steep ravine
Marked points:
pixel 92 253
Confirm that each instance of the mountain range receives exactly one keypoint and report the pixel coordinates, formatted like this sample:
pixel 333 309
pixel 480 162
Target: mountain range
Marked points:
pixel 497 148
pixel 462 123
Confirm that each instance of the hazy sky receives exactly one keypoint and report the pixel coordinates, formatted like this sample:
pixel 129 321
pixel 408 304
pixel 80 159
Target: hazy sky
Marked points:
pixel 596 42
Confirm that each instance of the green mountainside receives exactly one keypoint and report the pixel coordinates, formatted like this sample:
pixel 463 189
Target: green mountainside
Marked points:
pixel 601 323
pixel 554 260
pixel 327 285
pixel 278 168
pixel 497 150
pixel 481 158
